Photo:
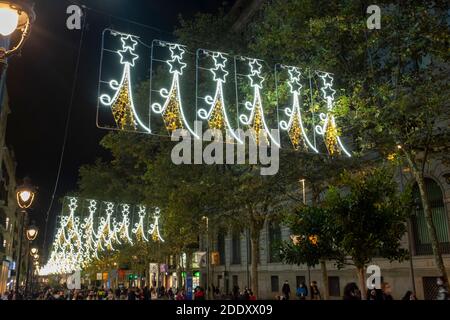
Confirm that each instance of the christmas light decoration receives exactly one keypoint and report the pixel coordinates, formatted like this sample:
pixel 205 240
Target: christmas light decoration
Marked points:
pixel 256 120
pixel 329 128
pixel 89 235
pixel 121 228
pixel 294 126
pixel 105 234
pixel 172 111
pixel 138 229
pixel 154 227
pixel 76 245
pixel 217 115
pixel 121 104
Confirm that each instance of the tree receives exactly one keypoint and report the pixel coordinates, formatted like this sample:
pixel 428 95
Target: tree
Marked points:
pixel 313 240
pixel 368 218
pixel 395 81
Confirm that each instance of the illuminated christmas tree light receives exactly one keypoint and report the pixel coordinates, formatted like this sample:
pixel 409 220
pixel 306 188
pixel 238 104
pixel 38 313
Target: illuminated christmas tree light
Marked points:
pixel 294 126
pixel 256 120
pixel 329 129
pixel 138 229
pixel 172 111
pixel 122 105
pixel 154 227
pixel 217 115
pixel 121 228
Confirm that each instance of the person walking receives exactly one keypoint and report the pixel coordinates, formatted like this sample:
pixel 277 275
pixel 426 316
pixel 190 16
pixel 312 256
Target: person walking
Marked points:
pixel 302 291
pixel 409 295
pixel 286 290
pixel 315 293
pixel 352 292
pixel 387 291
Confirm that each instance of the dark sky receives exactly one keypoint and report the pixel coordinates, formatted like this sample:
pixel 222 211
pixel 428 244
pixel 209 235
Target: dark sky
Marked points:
pixel 40 81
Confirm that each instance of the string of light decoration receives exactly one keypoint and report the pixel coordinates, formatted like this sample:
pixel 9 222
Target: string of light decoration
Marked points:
pixel 154 227
pixel 216 113
pixel 138 229
pixel 122 104
pixel 329 129
pixel 256 120
pixel 89 235
pixel 295 126
pixel 172 111
pixel 75 248
pixel 217 116
pixel 121 228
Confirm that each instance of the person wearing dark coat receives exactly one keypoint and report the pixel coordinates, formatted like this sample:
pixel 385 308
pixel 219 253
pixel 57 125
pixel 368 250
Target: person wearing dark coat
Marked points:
pixel 286 290
pixel 351 292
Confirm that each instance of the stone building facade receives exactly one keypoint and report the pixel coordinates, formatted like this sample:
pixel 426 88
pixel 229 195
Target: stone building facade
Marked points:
pixel 8 207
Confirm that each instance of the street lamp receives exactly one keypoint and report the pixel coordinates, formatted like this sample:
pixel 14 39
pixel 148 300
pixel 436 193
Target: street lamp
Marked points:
pixel 32 233
pixel 208 275
pixel 25 196
pixel 15 15
pixel 34 251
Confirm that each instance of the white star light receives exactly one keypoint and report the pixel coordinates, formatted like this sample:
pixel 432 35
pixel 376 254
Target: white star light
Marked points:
pixel 219 59
pixel 127 57
pixel 128 42
pixel 255 66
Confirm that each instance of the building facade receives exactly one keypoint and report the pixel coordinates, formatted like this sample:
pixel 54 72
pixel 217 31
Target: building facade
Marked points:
pixel 234 250
pixel 8 207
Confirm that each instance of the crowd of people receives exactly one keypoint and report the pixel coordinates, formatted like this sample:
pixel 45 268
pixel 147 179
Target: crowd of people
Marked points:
pixel 352 292
pixel 302 292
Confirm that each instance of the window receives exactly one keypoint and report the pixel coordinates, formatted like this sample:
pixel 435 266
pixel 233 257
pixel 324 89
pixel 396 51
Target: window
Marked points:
pixel 274 242
pixel 235 281
pixel 334 289
pixel 300 279
pixel 274 284
pixel 236 248
pixel 422 239
pixel 221 247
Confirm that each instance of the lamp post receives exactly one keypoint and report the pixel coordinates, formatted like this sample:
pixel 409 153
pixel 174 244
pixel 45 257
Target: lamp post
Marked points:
pixel 31 234
pixel 302 181
pixel 25 197
pixel 206 219
pixel 15 16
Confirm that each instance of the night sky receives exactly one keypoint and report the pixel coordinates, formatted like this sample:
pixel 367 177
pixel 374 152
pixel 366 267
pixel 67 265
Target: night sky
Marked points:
pixel 40 83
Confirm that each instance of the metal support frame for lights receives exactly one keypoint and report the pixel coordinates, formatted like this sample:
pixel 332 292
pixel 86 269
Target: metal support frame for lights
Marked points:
pixel 15 15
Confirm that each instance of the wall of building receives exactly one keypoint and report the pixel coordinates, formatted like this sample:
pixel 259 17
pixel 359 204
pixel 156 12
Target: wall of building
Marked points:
pixel 8 208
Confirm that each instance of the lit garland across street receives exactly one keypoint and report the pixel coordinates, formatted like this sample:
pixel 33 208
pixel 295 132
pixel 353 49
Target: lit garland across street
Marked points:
pixel 77 245
pixel 176 114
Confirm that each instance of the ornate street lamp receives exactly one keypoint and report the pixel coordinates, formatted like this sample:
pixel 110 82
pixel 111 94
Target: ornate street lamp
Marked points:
pixel 25 194
pixel 15 15
pixel 34 251
pixel 32 233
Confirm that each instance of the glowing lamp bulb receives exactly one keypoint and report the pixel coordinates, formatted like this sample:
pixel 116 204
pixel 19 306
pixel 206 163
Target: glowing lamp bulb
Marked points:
pixel 9 19
pixel 25 196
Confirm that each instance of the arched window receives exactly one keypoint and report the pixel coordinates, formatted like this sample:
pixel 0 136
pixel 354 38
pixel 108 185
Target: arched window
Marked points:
pixel 440 218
